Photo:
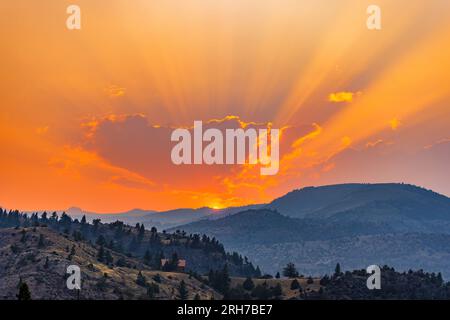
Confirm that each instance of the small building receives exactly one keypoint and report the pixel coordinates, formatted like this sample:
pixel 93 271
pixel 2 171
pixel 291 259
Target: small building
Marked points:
pixel 181 267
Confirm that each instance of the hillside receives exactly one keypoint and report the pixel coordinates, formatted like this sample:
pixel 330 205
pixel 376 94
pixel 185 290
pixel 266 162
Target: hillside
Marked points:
pixel 357 225
pixel 201 253
pixel 39 256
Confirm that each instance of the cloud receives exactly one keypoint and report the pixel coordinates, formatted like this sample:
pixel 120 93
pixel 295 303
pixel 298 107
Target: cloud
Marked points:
pixel 115 91
pixel 437 143
pixel 343 96
pixel 135 143
pixel 373 144
pixel 77 162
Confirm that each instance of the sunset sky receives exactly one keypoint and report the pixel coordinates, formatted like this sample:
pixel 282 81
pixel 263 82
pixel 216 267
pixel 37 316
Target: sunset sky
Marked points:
pixel 86 115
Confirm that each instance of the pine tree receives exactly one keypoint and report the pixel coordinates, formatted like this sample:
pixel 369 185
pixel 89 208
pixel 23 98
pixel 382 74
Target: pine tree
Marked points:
pixel 101 241
pixel 248 284
pixel 277 291
pixel 24 236
pixel 108 257
pixel 41 242
pixel 258 272
pixel 439 279
pixel 101 254
pixel 141 280
pixel 147 257
pixel 47 263
pixel 290 271
pixel 337 270
pixel 277 276
pixel 183 292
pixel 24 292
pixel 141 232
pixel 295 285
pixel 157 278
pixel 72 253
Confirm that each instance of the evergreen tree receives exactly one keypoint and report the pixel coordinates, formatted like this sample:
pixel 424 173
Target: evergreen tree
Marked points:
pixel 290 271
pixel 24 292
pixel 101 241
pixel 108 257
pixel 41 242
pixel 152 290
pixel 337 270
pixel 101 254
pixel 258 272
pixel 277 291
pixel 47 263
pixel 248 284
pixel 439 279
pixel 325 280
pixel 157 278
pixel 72 253
pixel 183 292
pixel 262 292
pixel 277 276
pixel 220 280
pixel 141 280
pixel 141 232
pixel 96 224
pixel 295 285
pixel 147 257
pixel 24 236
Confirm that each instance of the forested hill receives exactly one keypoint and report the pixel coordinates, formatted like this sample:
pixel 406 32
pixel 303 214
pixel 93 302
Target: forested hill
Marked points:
pixel 201 253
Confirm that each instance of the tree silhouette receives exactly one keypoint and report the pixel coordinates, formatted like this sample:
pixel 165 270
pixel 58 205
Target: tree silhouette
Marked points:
pixel 24 292
pixel 183 291
pixel 290 271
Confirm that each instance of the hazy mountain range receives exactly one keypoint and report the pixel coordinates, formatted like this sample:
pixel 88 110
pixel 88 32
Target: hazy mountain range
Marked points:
pixel 401 225
pixel 159 219
pixel 354 224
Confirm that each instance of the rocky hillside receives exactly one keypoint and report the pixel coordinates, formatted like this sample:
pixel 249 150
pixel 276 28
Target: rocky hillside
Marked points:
pixel 200 253
pixel 39 257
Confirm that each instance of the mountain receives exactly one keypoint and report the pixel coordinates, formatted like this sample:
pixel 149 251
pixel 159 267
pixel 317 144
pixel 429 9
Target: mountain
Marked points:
pixel 403 200
pixel 160 219
pixel 354 224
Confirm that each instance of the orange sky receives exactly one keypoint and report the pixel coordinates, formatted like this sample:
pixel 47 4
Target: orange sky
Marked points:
pixel 86 115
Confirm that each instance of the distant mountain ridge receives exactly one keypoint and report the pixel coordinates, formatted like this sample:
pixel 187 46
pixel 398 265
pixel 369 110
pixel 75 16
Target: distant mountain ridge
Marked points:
pixel 160 219
pixel 326 201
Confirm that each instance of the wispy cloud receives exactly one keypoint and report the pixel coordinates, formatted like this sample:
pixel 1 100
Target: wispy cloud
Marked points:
pixel 115 91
